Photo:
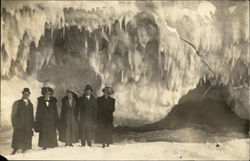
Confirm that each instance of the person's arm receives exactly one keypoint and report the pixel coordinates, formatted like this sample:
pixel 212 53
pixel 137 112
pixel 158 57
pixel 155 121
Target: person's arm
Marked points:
pixel 14 115
pixel 98 109
pixel 62 114
pixel 56 115
pixel 95 111
pixel 38 117
pixel 78 108
pixel 32 115
pixel 32 118
pixel 56 110
pixel 113 106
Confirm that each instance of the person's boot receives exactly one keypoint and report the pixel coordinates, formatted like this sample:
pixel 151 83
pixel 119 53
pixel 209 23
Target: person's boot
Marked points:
pixel 44 148
pixel 14 151
pixel 70 144
pixel 107 145
pixel 23 150
pixel 83 142
pixel 89 143
pixel 66 144
pixel 103 145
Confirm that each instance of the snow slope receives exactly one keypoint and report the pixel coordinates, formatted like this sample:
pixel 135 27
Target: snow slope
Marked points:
pixel 237 149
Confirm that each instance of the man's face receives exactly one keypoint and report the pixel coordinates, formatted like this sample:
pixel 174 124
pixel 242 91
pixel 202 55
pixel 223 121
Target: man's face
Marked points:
pixel 47 95
pixel 26 95
pixel 88 92
pixel 105 92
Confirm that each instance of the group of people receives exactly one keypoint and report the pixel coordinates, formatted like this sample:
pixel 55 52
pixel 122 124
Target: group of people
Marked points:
pixel 82 118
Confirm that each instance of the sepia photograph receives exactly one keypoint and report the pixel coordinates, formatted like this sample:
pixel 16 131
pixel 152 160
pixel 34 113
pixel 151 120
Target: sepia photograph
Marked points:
pixel 125 80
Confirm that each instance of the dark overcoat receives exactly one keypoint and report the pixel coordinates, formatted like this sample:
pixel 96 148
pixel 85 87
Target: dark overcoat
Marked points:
pixel 47 120
pixel 22 121
pixel 88 115
pixel 68 120
pixel 105 110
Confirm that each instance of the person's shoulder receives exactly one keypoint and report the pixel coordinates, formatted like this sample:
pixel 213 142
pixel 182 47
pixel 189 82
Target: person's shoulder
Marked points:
pixel 40 98
pixel 53 99
pixel 75 96
pixel 101 97
pixel 17 101
pixel 81 97
pixel 93 97
pixel 64 98
pixel 113 99
pixel 30 102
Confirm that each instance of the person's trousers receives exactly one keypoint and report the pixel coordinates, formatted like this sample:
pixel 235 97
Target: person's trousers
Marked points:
pixel 87 135
pixel 89 142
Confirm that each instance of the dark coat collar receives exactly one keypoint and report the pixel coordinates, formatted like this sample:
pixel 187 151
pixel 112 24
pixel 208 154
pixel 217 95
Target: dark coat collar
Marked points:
pixel 103 97
pixel 22 101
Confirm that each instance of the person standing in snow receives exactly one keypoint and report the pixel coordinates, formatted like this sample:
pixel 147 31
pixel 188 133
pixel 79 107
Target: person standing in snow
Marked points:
pixel 22 121
pixel 47 119
pixel 106 107
pixel 87 124
pixel 69 118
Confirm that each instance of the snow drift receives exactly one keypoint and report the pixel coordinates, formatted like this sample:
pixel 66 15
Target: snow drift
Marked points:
pixel 145 151
pixel 152 53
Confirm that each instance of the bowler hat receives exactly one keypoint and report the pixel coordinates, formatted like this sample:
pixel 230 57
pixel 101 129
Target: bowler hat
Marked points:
pixel 88 87
pixel 26 90
pixel 50 90
pixel 47 89
pixel 43 90
pixel 108 89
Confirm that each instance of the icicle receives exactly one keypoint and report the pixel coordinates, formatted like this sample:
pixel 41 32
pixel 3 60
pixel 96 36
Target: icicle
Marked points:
pixel 104 35
pixel 110 27
pixel 120 23
pixel 51 29
pixel 129 60
pixel 96 44
pixel 86 41
pixel 122 76
pixel 63 32
pixel 159 59
pixel 79 27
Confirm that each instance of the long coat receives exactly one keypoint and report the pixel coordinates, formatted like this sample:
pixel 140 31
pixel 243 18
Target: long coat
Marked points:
pixel 46 122
pixel 106 107
pixel 68 120
pixel 87 124
pixel 22 121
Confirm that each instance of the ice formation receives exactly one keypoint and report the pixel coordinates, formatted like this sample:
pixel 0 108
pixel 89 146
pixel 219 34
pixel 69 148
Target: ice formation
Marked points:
pixel 152 53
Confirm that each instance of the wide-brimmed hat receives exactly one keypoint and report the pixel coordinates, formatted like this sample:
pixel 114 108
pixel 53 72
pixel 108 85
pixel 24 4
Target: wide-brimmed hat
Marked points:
pixel 71 89
pixel 108 89
pixel 26 90
pixel 88 87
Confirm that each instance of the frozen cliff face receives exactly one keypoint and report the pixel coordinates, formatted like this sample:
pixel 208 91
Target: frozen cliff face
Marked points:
pixel 152 53
pixel 238 99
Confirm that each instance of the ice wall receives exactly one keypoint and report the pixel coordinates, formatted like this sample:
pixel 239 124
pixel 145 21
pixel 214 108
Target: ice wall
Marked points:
pixel 238 99
pixel 152 53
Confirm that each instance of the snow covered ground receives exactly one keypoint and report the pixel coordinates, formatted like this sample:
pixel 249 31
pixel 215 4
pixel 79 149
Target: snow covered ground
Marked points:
pixel 237 149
